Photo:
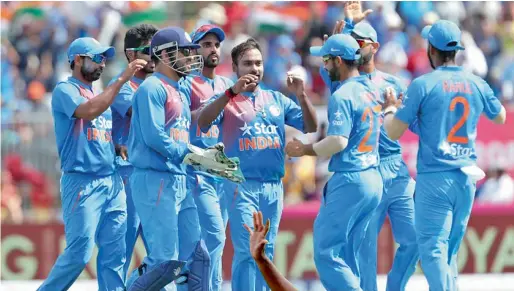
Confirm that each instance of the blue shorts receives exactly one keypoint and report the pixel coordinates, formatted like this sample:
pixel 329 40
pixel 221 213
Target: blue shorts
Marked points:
pixel 94 211
pixel 168 215
pixel 397 202
pixel 443 205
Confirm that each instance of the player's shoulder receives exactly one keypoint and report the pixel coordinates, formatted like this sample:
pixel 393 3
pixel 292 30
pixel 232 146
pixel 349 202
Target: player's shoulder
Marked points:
pixel 393 80
pixel 227 81
pixel 66 87
pixel 477 80
pixel 151 84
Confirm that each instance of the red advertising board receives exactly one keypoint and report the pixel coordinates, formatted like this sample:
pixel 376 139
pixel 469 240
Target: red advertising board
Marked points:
pixel 495 143
pixel 29 251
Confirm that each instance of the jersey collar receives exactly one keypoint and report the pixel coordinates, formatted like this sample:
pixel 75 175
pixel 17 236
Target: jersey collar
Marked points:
pixel 449 68
pixel 369 75
pixel 81 84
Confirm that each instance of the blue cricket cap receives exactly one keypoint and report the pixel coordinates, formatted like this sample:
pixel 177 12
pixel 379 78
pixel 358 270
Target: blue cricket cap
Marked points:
pixel 169 37
pixel 89 46
pixel 444 35
pixel 365 30
pixel 342 45
pixel 203 30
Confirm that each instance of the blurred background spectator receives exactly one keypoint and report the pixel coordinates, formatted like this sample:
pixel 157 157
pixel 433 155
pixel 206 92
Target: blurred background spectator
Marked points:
pixel 36 34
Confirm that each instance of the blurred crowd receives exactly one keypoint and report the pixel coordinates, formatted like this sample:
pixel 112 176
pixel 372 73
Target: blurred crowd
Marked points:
pixel 36 34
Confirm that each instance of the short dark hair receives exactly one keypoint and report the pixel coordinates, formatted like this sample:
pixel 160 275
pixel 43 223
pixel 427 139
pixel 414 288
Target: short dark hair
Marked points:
pixel 241 48
pixel 72 65
pixel 445 56
pixel 138 35
pixel 352 64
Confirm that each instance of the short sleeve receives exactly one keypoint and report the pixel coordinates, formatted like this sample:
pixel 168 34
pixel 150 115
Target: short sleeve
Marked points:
pixel 408 112
pixel 66 98
pixel 340 116
pixel 293 114
pixel 492 106
pixel 123 100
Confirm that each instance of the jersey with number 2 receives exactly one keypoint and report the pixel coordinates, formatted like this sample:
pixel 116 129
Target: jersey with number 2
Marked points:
pixel 354 113
pixel 447 103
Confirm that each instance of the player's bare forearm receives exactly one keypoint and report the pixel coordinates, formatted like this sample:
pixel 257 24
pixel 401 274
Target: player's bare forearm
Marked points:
pixel 394 127
pixel 195 114
pixel 211 111
pixel 310 120
pixel 309 150
pixel 275 280
pixel 95 107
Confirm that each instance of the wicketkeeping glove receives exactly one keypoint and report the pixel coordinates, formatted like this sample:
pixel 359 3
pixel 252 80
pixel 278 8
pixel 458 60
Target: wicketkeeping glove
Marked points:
pixel 213 160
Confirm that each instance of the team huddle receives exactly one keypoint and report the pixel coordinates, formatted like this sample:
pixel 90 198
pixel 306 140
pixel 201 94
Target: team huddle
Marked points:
pixel 172 152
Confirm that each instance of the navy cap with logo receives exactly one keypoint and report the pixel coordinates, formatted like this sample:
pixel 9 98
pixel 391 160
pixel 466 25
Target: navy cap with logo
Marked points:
pixel 342 45
pixel 444 35
pixel 203 30
pixel 88 46
pixel 170 37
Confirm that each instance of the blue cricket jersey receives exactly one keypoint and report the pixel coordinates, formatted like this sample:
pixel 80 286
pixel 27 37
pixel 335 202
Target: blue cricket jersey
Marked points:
pixel 386 146
pixel 159 128
pixel 354 113
pixel 84 146
pixel 120 119
pixel 199 89
pixel 253 129
pixel 447 103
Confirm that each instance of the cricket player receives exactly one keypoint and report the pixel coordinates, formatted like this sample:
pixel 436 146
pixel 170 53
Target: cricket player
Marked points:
pixel 207 189
pixel 157 145
pixel 252 127
pixel 353 193
pixel 137 46
pixel 446 104
pixel 92 193
pixel 397 197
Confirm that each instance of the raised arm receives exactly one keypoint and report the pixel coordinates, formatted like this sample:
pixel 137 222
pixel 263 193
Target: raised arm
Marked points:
pixel 92 108
pixel 275 280
pixel 211 111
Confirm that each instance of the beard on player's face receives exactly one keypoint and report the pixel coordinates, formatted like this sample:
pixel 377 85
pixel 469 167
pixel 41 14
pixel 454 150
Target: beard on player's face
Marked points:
pixel 211 61
pixel 91 71
pixel 366 58
pixel 334 74
pixel 149 68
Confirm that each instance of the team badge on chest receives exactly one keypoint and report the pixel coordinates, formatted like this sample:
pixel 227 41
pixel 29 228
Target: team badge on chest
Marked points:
pixel 274 110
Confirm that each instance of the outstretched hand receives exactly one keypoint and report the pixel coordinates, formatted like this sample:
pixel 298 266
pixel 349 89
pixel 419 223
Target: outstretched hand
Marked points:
pixel 353 11
pixel 258 235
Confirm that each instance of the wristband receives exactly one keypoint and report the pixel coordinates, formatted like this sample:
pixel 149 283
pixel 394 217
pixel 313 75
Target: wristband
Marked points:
pixel 388 112
pixel 390 109
pixel 229 93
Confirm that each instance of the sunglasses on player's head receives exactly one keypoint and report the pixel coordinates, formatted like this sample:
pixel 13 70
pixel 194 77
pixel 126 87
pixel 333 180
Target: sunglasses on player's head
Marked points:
pixel 144 50
pixel 364 42
pixel 95 58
